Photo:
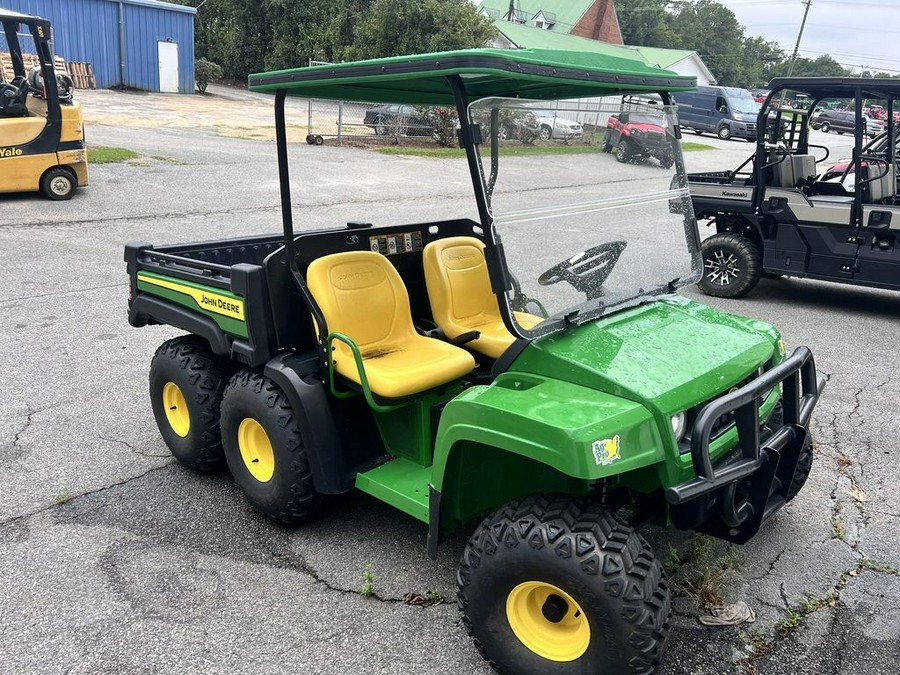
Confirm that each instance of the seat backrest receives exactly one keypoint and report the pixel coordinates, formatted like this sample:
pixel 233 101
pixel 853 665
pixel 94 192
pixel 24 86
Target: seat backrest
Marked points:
pixel 362 296
pixel 12 100
pixel 881 188
pixel 794 171
pixel 459 287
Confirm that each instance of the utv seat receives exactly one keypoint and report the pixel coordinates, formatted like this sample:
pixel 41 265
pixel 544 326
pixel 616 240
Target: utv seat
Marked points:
pixel 459 291
pixel 795 171
pixel 363 297
pixel 882 188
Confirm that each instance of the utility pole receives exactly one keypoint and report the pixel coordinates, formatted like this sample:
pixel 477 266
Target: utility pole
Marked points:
pixel 807 3
pixel 799 37
pixel 511 14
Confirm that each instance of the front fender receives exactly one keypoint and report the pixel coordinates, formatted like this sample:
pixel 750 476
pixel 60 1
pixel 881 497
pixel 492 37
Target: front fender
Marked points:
pixel 579 432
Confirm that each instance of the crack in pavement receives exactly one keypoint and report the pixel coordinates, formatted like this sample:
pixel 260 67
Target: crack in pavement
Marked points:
pixel 49 507
pixel 132 448
pixel 121 284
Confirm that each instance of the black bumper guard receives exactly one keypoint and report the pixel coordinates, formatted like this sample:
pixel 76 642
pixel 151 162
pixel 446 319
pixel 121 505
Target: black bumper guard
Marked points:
pixel 733 499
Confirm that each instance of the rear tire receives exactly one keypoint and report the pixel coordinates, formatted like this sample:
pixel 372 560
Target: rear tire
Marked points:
pixel 546 133
pixel 550 584
pixel 264 447
pixel 58 184
pixel 186 385
pixel 732 265
pixel 605 145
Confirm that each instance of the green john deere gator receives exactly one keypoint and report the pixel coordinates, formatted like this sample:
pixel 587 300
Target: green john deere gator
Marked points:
pixel 531 371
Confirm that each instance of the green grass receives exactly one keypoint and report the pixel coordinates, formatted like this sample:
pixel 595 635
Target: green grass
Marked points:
pixel 63 496
pixel 170 160
pixel 106 155
pixel 696 147
pixel 368 588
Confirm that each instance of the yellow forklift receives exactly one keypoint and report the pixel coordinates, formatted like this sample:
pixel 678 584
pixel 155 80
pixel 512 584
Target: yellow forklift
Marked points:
pixel 41 127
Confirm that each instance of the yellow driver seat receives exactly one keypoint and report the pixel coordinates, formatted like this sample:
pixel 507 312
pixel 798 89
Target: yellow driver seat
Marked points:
pixel 363 297
pixel 459 290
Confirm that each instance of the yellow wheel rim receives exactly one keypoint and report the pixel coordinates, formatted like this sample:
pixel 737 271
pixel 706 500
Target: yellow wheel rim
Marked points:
pixel 176 409
pixel 256 450
pixel 548 621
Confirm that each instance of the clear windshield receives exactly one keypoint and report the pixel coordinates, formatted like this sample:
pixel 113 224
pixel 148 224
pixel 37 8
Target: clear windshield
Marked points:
pixel 593 212
pixel 743 105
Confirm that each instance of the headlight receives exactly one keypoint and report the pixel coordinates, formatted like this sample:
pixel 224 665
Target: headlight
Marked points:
pixel 679 426
pixel 736 115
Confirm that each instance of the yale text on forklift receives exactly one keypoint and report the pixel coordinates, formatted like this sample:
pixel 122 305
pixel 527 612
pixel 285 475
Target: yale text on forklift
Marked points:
pixel 10 152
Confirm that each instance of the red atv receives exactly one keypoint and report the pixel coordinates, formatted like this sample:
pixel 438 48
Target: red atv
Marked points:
pixel 636 136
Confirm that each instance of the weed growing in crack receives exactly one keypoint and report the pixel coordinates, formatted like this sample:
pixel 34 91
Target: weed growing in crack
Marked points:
pixel 838 531
pixel 672 561
pixel 812 604
pixel 435 596
pixel 790 623
pixel 843 461
pixel 875 566
pixel 707 586
pixel 63 496
pixel 368 586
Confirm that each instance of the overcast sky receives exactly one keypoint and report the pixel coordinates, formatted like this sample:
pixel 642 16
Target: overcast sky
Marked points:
pixel 855 32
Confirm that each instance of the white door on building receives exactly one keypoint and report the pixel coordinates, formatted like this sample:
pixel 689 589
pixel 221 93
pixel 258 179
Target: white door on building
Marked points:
pixel 168 67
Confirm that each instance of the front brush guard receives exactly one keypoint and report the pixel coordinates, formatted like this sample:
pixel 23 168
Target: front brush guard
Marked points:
pixel 732 500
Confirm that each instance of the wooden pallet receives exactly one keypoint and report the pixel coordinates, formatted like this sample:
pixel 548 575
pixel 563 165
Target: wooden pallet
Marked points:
pixel 82 74
pixel 31 60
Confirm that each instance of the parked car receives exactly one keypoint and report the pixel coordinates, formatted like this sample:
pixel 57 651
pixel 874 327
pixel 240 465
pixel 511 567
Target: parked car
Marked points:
pixel 842 121
pixel 393 119
pixel 842 171
pixel 554 126
pixel 635 136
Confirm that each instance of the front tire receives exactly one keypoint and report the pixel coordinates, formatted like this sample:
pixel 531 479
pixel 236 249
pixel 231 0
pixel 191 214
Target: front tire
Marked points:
pixel 732 265
pixel 623 150
pixel 264 447
pixel 546 133
pixel 186 385
pixel 825 128
pixel 58 184
pixel 552 585
pixel 724 132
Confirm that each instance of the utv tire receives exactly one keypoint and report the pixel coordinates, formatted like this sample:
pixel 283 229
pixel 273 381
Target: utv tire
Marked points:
pixel 264 447
pixel 58 184
pixel 605 145
pixel 186 385
pixel 549 584
pixel 724 132
pixel 623 150
pixel 825 128
pixel 732 265
pixel 667 162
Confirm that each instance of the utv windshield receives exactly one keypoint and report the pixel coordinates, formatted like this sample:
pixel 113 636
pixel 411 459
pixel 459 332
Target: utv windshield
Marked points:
pixel 591 221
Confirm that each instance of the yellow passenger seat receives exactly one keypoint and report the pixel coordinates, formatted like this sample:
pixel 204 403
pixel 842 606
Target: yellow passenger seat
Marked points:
pixel 459 290
pixel 363 297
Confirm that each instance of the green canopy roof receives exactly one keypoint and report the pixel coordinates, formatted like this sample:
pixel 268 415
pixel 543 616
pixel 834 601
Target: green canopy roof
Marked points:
pixel 526 73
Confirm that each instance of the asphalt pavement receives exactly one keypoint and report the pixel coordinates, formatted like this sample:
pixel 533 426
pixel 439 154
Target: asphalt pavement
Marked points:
pixel 115 559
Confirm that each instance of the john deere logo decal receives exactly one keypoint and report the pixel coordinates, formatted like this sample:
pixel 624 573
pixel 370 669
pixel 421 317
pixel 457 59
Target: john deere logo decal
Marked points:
pixel 10 152
pixel 607 451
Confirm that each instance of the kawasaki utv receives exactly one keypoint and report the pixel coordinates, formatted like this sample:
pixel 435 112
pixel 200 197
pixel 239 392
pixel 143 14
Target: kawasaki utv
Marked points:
pixel 778 214
pixel 531 373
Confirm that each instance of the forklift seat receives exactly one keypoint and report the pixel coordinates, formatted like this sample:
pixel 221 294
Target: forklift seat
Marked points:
pixel 13 97
pixel 459 290
pixel 363 297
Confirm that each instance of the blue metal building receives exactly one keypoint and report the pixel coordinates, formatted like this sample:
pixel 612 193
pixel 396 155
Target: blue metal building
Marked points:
pixel 144 44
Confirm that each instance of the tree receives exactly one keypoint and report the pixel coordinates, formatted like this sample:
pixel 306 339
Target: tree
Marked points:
pixel 824 66
pixel 713 31
pixel 645 23
pixel 395 27
pixel 760 57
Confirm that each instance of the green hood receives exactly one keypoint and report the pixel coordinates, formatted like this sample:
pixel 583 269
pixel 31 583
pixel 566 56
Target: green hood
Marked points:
pixel 671 354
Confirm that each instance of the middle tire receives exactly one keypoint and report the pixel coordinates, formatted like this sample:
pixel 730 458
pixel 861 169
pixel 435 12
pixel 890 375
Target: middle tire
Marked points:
pixel 552 585
pixel 264 447
pixel 732 265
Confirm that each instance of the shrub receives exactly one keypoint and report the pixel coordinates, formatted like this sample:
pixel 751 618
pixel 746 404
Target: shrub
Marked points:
pixel 204 71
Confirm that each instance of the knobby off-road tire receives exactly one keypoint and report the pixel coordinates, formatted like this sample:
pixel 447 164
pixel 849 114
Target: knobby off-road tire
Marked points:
pixel 732 265
pixel 264 447
pixel 606 144
pixel 186 385
pixel 584 591
pixel 623 150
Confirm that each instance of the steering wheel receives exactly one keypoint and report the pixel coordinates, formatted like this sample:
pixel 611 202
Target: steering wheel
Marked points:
pixel 586 271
